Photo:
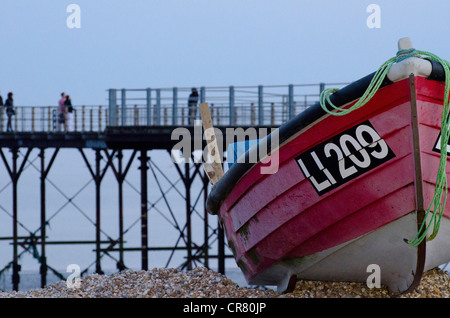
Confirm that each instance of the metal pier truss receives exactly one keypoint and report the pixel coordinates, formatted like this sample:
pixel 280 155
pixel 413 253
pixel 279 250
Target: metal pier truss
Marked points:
pixel 107 193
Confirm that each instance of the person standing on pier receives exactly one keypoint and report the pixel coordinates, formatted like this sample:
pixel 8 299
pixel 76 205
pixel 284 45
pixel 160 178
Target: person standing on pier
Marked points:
pixel 192 106
pixel 1 100
pixel 9 104
pixel 62 112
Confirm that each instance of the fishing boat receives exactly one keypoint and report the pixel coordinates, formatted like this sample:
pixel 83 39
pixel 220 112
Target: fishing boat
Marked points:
pixel 360 182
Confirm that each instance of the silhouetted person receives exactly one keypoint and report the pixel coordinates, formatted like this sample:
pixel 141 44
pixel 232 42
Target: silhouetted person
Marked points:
pixel 1 100
pixel 62 112
pixel 192 105
pixel 9 104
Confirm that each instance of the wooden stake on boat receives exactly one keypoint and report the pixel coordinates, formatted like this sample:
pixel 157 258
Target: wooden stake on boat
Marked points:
pixel 213 169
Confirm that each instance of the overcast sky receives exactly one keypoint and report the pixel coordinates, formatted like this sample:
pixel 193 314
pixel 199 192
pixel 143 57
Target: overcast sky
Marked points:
pixel 184 43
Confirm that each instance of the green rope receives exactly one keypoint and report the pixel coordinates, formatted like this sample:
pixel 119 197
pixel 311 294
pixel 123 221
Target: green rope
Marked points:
pixel 437 205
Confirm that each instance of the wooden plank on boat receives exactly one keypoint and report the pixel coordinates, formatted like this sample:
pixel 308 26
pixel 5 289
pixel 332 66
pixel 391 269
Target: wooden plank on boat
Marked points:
pixel 214 169
pixel 419 194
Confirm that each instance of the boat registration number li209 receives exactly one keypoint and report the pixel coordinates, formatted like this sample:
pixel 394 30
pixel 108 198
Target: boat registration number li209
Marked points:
pixel 344 157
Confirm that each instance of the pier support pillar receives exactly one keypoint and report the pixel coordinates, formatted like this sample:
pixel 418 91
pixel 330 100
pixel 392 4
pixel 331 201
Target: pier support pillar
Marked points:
pixel 97 175
pixel 15 179
pixel 44 172
pixel 97 178
pixel 144 209
pixel 187 184
pixel 205 221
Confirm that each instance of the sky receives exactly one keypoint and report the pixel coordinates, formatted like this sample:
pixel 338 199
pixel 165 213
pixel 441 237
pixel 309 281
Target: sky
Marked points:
pixel 184 43
pixel 180 43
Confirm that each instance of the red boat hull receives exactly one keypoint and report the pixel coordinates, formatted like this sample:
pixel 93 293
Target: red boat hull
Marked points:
pixel 349 192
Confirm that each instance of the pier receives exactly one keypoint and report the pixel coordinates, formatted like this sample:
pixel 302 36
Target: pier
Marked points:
pixel 112 138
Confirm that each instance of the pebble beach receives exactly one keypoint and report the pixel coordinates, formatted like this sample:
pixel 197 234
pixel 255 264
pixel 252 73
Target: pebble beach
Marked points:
pixel 203 283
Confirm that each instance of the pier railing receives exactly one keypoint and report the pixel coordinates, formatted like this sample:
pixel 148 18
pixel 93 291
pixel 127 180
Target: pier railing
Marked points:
pixel 93 118
pixel 230 106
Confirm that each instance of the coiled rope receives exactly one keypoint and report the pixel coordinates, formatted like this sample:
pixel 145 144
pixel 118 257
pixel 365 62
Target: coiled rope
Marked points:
pixel 437 205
